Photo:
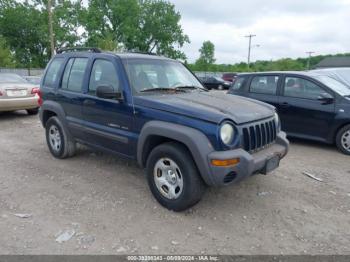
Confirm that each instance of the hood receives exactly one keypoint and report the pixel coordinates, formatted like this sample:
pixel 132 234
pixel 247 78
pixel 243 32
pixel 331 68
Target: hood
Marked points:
pixel 209 106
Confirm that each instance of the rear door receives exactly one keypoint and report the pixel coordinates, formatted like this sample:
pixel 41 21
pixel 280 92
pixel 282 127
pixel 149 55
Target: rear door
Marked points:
pixel 69 94
pixel 108 122
pixel 301 112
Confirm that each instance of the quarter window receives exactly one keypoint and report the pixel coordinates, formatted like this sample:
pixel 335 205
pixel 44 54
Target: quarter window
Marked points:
pixel 264 85
pixel 73 76
pixel 52 72
pixel 302 88
pixel 103 74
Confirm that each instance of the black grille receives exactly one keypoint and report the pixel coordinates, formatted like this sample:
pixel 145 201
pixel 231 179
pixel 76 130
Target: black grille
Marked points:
pixel 258 136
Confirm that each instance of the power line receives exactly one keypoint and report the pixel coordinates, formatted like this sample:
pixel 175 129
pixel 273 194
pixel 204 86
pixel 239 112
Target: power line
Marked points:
pixel 249 47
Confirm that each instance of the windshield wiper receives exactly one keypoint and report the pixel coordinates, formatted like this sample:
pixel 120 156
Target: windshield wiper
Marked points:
pixel 191 87
pixel 159 89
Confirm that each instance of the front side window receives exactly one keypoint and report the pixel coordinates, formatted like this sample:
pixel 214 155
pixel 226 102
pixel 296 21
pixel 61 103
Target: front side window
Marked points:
pixel 150 74
pixel 264 85
pixel 238 83
pixel 302 88
pixel 52 72
pixel 103 74
pixel 73 76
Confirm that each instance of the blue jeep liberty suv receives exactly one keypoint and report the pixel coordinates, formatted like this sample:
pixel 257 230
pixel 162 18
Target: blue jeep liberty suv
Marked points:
pixel 154 110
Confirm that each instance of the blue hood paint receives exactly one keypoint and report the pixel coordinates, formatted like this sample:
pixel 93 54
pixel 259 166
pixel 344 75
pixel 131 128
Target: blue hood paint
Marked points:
pixel 208 106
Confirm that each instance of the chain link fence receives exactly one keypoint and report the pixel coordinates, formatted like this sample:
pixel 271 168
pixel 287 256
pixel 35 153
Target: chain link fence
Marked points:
pixel 23 71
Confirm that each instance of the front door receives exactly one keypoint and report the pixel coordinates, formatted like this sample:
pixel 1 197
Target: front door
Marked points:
pixel 302 112
pixel 108 122
pixel 264 88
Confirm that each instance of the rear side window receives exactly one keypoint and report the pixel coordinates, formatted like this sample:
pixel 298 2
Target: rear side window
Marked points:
pixel 239 83
pixel 264 85
pixel 103 74
pixel 73 76
pixel 52 72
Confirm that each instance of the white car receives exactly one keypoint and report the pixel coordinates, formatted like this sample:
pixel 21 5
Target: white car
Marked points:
pixel 16 93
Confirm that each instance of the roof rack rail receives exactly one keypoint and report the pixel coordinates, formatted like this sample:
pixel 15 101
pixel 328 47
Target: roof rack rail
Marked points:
pixel 143 53
pixel 73 49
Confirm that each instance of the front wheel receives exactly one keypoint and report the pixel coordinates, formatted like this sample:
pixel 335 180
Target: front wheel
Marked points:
pixel 343 140
pixel 173 177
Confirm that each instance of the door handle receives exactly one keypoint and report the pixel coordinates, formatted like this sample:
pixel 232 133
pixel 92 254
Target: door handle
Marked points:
pixel 89 102
pixel 284 105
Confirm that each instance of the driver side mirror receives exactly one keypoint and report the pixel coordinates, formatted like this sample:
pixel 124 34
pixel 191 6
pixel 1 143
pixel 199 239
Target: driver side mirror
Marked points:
pixel 107 92
pixel 326 98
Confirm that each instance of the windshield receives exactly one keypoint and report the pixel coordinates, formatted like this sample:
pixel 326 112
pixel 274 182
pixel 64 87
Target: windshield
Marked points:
pixel 159 75
pixel 11 78
pixel 340 74
pixel 335 85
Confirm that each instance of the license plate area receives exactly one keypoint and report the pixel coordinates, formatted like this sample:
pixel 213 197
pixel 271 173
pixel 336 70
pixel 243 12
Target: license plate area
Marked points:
pixel 271 164
pixel 16 93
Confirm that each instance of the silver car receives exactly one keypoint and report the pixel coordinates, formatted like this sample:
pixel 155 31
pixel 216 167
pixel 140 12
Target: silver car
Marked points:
pixel 16 93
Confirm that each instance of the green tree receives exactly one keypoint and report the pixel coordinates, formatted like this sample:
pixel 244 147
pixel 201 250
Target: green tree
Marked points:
pixel 22 26
pixel 206 58
pixel 6 58
pixel 140 25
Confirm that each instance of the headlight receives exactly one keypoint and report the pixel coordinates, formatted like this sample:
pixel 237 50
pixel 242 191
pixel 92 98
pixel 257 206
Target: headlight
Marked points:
pixel 227 133
pixel 277 122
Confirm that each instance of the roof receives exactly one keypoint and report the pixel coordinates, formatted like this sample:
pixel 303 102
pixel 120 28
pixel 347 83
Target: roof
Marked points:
pixel 343 61
pixel 278 72
pixel 123 55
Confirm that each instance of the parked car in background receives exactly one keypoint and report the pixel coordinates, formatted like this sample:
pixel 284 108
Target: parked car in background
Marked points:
pixel 340 74
pixel 229 77
pixel 153 110
pixel 310 105
pixel 214 82
pixel 33 79
pixel 16 93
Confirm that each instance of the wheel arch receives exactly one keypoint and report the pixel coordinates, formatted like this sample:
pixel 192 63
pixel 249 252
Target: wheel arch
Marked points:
pixel 155 133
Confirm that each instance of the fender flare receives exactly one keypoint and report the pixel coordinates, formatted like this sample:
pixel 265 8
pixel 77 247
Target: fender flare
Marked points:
pixel 58 110
pixel 196 142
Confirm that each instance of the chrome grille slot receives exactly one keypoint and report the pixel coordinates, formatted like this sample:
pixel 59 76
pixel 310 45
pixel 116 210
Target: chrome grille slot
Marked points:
pixel 259 136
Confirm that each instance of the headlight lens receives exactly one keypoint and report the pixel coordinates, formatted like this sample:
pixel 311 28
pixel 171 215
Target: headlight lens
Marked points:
pixel 227 133
pixel 277 122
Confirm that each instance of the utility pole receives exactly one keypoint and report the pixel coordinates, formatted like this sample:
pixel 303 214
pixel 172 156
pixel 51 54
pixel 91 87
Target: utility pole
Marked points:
pixel 249 47
pixel 52 43
pixel 308 60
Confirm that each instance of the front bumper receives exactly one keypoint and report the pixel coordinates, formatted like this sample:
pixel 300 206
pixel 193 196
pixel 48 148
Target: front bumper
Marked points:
pixel 249 163
pixel 18 103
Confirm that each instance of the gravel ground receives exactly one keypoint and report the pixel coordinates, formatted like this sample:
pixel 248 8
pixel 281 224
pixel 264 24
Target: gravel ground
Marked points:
pixel 105 201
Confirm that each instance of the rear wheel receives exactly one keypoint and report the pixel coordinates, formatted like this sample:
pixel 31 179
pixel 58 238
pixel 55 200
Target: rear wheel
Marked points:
pixel 173 177
pixel 32 111
pixel 343 140
pixel 60 145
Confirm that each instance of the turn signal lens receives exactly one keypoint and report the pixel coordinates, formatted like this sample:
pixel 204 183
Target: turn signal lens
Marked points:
pixel 227 162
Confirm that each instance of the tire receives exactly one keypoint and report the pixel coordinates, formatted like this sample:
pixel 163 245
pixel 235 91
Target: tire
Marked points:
pixel 60 145
pixel 220 87
pixel 343 140
pixel 32 111
pixel 193 187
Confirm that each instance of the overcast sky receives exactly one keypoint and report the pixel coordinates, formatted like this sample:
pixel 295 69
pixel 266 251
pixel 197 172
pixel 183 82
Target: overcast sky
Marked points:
pixel 283 28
